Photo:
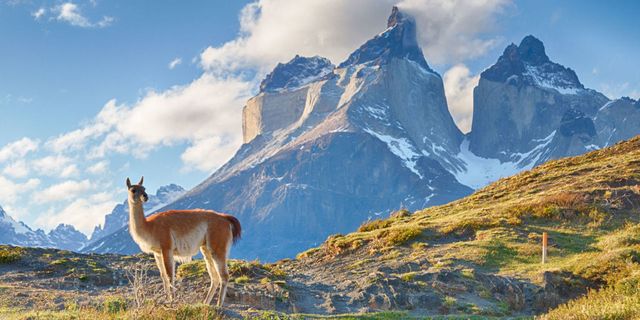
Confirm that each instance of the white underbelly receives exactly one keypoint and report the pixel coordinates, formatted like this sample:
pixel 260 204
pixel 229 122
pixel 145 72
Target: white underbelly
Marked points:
pixel 187 245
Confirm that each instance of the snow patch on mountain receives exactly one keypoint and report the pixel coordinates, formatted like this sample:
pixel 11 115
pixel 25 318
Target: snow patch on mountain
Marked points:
pixel 402 148
pixel 552 81
pixel 481 171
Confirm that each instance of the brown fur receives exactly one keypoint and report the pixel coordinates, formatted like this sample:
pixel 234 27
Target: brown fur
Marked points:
pixel 180 222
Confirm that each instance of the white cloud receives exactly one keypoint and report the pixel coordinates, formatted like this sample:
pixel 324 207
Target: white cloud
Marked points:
pixel 207 109
pixel 275 30
pixel 39 13
pixel 70 12
pixel 18 149
pixel 52 165
pixel 174 63
pixel 69 171
pixel 99 167
pixel 11 191
pixel 208 106
pixel 451 31
pixel 106 119
pixel 17 169
pixel 210 153
pixel 459 85
pixel 82 213
pixel 64 191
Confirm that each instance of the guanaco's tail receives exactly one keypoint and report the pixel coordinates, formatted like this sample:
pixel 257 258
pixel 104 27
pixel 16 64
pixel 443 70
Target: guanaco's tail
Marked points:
pixel 236 228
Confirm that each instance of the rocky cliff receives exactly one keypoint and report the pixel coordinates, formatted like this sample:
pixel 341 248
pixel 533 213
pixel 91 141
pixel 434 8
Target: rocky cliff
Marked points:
pixel 521 102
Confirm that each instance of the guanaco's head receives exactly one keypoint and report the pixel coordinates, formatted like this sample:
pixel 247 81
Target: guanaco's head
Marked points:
pixel 137 192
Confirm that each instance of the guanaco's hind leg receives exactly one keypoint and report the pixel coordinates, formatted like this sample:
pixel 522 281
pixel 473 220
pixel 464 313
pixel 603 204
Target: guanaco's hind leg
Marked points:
pixel 220 263
pixel 208 260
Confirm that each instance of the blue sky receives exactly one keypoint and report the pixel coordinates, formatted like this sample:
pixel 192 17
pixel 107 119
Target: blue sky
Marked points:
pixel 89 94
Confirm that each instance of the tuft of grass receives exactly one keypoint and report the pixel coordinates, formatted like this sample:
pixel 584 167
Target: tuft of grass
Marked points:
pixel 401 235
pixel 408 277
pixel 197 311
pixel 615 302
pixel 307 254
pixel 114 305
pixel 242 279
pixel 193 269
pixel 374 225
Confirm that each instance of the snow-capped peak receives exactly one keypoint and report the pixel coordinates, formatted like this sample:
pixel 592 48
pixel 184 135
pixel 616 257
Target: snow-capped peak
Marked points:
pixel 528 64
pixel 296 73
pixel 18 227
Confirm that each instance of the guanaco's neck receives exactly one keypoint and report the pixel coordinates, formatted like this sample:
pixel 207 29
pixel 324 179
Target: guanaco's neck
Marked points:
pixel 136 216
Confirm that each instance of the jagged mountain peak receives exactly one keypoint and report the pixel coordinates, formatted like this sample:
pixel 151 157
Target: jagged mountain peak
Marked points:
pixel 169 191
pixel 65 236
pixel 397 17
pixel 64 227
pixel 398 41
pixel 531 49
pixel 528 64
pixel 298 72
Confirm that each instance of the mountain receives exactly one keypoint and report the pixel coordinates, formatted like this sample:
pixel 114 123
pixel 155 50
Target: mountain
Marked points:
pixel 66 237
pixel 529 110
pixel 526 108
pixel 19 234
pixel 326 148
pixel 119 218
pixel 617 120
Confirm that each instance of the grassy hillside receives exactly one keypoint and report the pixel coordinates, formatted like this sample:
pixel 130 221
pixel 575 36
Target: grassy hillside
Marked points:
pixel 589 205
pixel 476 257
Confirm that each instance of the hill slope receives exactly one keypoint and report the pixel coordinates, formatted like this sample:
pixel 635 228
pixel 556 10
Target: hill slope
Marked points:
pixel 478 255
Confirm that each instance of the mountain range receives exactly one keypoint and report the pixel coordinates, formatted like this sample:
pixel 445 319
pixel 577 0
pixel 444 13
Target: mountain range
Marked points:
pixel 66 237
pixel 328 147
pixel 19 234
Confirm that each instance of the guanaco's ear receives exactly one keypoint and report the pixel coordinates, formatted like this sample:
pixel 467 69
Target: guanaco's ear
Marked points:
pixel 128 183
pixel 141 180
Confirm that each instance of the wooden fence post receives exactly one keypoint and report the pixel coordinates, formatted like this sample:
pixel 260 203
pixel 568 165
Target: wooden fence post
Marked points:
pixel 544 247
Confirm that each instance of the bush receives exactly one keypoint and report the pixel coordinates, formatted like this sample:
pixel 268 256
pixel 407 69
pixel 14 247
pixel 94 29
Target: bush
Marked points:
pixel 242 279
pixel 620 302
pixel 198 311
pixel 193 269
pixel 10 254
pixel 400 236
pixel 113 305
pixel 374 225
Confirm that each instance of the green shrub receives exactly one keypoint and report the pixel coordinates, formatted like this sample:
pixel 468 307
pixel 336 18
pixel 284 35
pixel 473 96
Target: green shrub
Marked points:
pixel 374 225
pixel 10 254
pixel 113 305
pixel 193 269
pixel 197 311
pixel 408 277
pixel 400 236
pixel 242 279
